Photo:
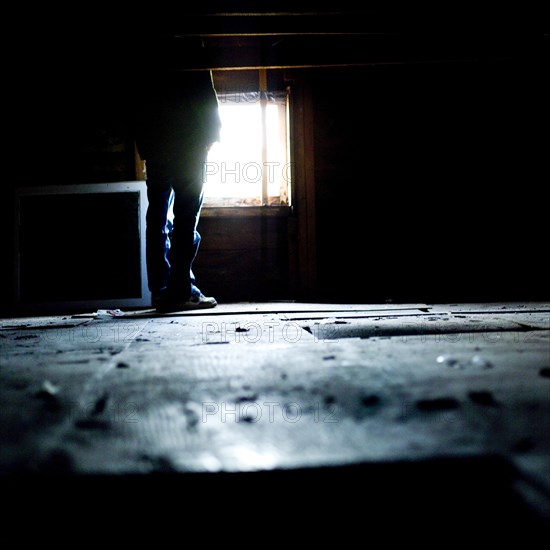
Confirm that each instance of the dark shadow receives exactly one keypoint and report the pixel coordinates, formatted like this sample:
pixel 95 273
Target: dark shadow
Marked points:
pixel 442 500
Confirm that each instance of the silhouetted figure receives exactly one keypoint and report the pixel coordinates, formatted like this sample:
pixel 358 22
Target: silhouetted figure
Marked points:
pixel 176 122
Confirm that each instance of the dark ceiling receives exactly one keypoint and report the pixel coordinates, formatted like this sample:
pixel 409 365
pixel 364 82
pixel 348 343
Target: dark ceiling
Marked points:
pixel 281 34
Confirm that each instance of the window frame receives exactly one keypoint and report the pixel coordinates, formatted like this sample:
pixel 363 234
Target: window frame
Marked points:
pixel 267 206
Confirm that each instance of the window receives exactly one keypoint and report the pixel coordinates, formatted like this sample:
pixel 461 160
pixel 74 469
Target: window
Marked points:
pixel 250 166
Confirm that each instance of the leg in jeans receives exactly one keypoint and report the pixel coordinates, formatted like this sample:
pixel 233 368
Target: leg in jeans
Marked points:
pixel 159 195
pixel 185 239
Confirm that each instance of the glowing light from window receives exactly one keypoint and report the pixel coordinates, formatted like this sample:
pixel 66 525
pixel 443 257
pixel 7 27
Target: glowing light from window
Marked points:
pixel 235 168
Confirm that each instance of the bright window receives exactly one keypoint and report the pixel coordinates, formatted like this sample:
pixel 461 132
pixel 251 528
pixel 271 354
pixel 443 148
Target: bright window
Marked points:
pixel 250 166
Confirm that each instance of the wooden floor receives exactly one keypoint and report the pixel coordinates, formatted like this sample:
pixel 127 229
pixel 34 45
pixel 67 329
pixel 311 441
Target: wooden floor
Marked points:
pixel 415 407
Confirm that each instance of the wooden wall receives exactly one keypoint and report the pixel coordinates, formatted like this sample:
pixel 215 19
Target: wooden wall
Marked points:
pixel 429 181
pixel 246 258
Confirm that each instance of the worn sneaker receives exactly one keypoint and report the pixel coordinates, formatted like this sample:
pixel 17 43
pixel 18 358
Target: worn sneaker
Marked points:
pixel 198 300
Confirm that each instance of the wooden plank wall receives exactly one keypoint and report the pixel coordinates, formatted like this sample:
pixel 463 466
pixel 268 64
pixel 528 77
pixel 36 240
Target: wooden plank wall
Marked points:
pixel 245 258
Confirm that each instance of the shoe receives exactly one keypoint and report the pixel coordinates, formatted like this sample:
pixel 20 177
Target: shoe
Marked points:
pixel 167 304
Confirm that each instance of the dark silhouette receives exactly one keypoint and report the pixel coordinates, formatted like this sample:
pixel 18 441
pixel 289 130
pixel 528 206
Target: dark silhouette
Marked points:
pixel 176 122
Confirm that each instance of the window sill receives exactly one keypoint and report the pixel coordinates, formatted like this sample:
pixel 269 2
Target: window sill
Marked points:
pixel 245 211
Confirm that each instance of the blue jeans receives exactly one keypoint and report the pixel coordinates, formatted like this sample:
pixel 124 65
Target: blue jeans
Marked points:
pixel 175 194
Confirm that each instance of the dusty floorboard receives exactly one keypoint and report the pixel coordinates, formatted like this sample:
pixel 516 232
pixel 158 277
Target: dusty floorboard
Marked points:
pixel 417 399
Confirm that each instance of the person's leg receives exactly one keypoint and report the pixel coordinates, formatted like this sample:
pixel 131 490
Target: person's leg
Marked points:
pixel 159 195
pixel 185 239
